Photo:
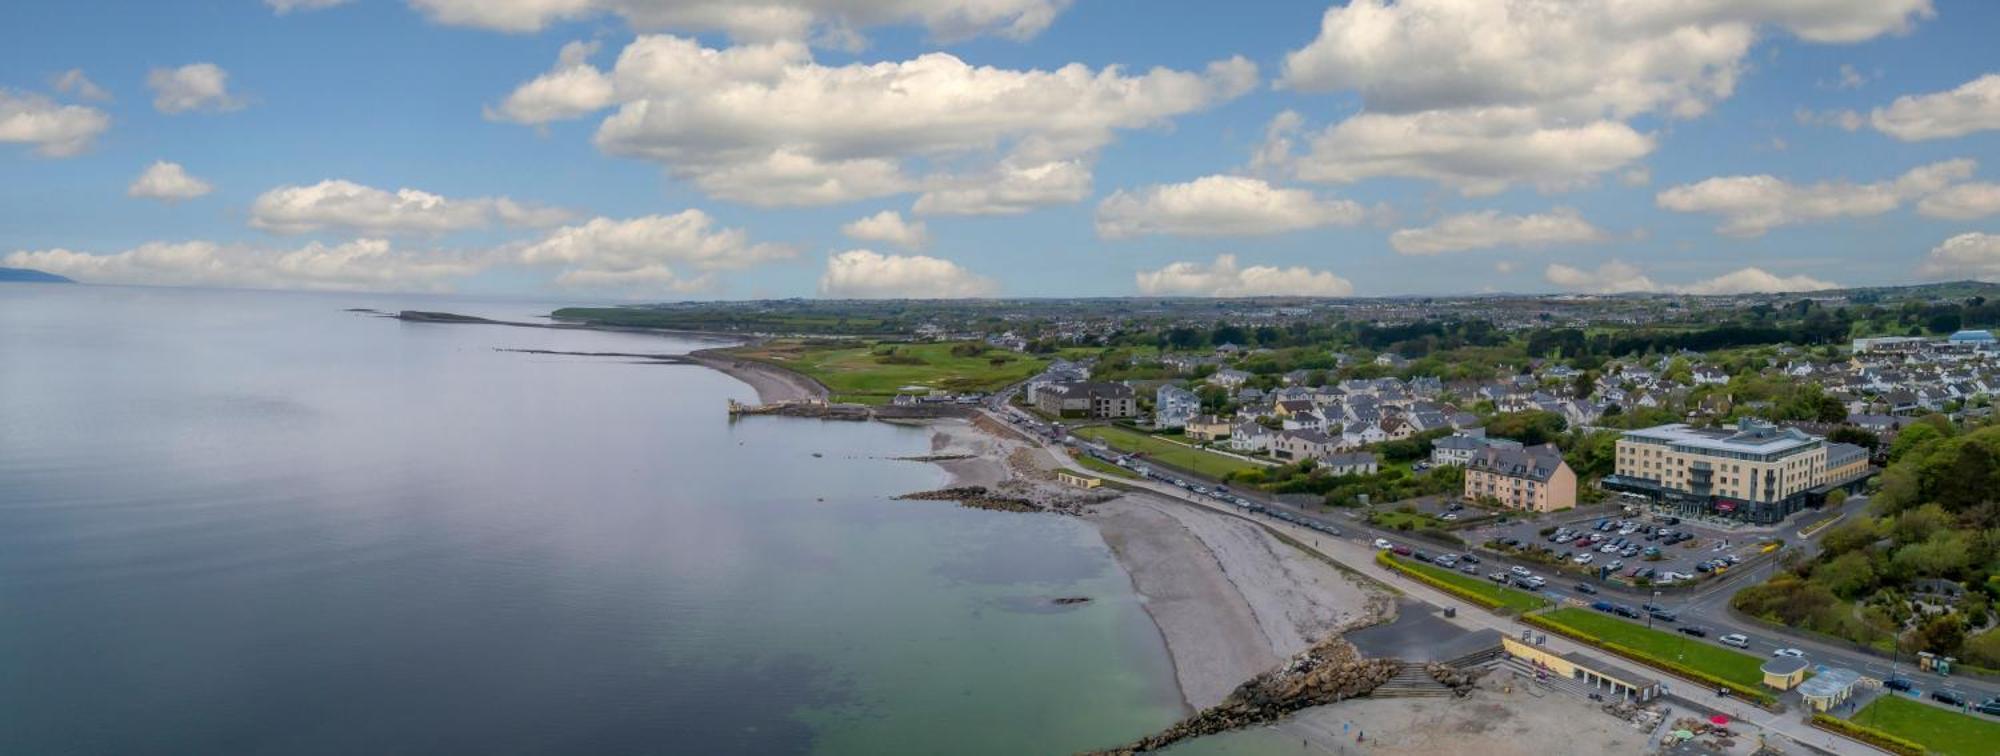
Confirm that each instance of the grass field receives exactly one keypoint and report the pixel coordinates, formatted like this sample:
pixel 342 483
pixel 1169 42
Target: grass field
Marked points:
pixel 1493 593
pixel 1103 467
pixel 1166 452
pixel 876 373
pixel 1940 730
pixel 1663 645
pixel 1397 520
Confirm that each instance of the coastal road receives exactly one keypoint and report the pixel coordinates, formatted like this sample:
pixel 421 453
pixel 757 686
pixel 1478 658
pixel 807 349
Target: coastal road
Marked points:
pixel 1356 554
pixel 1707 607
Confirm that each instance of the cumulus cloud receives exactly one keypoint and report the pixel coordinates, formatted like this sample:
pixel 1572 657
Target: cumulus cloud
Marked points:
pixel 342 205
pixel 193 87
pixel 362 264
pixel 282 7
pixel 864 274
pixel 572 89
pixel 74 82
pixel 1973 255
pixel 888 226
pixel 1225 278
pixel 1618 277
pixel 55 130
pixel 761 20
pixel 1483 94
pixel 167 182
pixel 1490 228
pixel 1219 206
pixel 1973 106
pixel 648 253
pixel 1752 205
pixel 766 124
pixel 1962 202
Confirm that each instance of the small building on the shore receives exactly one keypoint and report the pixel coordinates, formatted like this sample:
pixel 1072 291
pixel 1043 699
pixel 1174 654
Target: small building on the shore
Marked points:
pixel 1785 672
pixel 1614 681
pixel 1829 688
pixel 1078 479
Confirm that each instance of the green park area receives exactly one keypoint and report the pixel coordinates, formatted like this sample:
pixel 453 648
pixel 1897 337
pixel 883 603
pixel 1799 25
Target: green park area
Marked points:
pixel 1663 648
pixel 1477 590
pixel 874 373
pixel 1937 729
pixel 1165 452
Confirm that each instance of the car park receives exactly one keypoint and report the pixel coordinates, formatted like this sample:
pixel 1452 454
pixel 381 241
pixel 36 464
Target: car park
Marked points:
pixel 1738 640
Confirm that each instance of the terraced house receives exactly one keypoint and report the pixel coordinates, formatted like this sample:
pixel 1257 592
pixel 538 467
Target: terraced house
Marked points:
pixel 1755 471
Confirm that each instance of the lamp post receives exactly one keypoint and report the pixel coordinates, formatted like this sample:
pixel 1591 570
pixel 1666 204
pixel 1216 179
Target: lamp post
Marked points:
pixel 1649 612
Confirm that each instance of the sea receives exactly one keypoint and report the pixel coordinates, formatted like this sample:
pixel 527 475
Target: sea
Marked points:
pixel 246 522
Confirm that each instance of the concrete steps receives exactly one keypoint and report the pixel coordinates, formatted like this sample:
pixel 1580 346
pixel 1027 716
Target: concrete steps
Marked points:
pixel 1411 681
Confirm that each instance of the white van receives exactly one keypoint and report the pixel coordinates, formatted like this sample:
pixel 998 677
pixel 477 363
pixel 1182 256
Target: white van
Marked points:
pixel 1738 640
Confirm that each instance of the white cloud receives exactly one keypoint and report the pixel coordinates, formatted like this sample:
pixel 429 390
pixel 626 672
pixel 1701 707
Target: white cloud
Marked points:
pixel 362 264
pixel 1973 255
pixel 1489 228
pixel 1637 175
pixel 193 87
pixel 1850 78
pixel 1477 151
pixel 572 89
pixel 648 253
pixel 1219 206
pixel 1962 202
pixel 282 7
pixel 167 182
pixel 1752 205
pixel 1482 94
pixel 1224 278
pixel 759 20
pixel 74 82
pixel 1617 276
pixel 888 226
pixel 765 124
pixel 54 129
pixel 864 274
pixel 342 205
pixel 1973 106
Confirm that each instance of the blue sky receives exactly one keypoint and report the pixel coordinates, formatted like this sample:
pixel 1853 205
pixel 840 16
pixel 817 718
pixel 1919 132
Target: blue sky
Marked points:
pixel 1440 146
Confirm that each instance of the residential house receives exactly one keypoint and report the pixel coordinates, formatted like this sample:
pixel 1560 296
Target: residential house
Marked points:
pixel 1349 463
pixel 1533 478
pixel 1250 437
pixel 1173 406
pixel 1087 399
pixel 1206 428
pixel 1303 444
pixel 1229 378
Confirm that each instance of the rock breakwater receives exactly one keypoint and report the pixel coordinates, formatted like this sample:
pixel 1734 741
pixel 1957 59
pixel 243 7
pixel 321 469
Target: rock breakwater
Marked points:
pixel 1330 671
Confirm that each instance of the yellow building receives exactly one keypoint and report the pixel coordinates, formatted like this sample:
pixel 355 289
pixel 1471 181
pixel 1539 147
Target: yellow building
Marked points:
pixel 1535 478
pixel 1756 471
pixel 1613 681
pixel 1829 689
pixel 1206 428
pixel 1785 672
pixel 1080 481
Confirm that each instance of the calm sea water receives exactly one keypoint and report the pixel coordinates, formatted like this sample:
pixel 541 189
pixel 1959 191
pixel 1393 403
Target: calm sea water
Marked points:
pixel 244 522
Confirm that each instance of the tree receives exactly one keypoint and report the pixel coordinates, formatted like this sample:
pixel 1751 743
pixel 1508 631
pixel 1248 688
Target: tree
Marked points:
pixel 1848 434
pixel 1531 428
pixel 1942 634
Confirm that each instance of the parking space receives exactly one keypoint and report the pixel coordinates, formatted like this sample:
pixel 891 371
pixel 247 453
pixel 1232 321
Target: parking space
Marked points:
pixel 1637 550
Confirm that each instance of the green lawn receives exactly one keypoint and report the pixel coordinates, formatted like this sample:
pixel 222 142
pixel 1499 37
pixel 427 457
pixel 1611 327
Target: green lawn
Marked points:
pixel 1101 466
pixel 1940 730
pixel 876 373
pixel 1396 520
pixel 1663 645
pixel 1520 601
pixel 1166 452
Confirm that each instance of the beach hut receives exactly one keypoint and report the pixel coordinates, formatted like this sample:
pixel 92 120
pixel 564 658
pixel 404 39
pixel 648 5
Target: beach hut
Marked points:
pixel 1829 688
pixel 1785 672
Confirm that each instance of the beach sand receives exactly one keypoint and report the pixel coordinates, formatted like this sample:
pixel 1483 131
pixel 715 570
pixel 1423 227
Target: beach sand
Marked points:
pixel 1502 718
pixel 1229 598
pixel 773 384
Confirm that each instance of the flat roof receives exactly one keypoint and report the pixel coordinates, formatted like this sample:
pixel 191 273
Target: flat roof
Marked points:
pixel 1745 440
pixel 1785 665
pixel 1829 683
pixel 1614 672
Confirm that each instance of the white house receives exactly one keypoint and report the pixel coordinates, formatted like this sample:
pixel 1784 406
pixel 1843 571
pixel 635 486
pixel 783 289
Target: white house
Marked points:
pixel 1173 406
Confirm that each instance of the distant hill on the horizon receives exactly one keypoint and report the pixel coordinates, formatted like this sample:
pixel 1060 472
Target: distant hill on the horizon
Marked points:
pixel 24 275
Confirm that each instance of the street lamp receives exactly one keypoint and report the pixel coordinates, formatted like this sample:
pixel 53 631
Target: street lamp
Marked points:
pixel 1649 612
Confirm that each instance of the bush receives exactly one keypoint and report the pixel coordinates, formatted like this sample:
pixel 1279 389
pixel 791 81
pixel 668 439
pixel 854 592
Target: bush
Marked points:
pixel 1869 735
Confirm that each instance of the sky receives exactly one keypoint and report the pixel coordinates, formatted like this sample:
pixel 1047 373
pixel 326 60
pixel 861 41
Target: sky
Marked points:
pixel 729 149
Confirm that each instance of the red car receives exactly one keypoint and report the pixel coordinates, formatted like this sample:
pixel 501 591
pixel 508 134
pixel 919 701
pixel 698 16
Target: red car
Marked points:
pixel 1401 550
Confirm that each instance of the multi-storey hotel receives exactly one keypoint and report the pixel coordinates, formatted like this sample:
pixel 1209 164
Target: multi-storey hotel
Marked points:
pixel 1755 471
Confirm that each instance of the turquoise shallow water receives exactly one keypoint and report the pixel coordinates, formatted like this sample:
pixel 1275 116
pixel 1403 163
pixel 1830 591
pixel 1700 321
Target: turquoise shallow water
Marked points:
pixel 246 522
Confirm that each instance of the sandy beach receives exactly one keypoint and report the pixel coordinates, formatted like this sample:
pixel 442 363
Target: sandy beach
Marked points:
pixel 1229 598
pixel 773 384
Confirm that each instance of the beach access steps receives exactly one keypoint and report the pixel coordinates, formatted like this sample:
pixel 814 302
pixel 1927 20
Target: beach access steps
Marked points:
pixel 1411 681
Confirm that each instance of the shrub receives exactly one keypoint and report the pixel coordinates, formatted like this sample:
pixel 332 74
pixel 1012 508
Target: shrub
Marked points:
pixel 1869 735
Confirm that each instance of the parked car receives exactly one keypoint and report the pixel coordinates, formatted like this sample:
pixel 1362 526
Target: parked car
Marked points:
pixel 1791 652
pixel 1519 570
pixel 1585 589
pixel 1988 706
pixel 1383 543
pixel 1468 559
pixel 1497 577
pixel 1664 615
pixel 1948 697
pixel 1694 630
pixel 1470 569
pixel 1401 550
pixel 1738 640
pixel 1615 565
pixel 1625 611
pixel 1898 684
pixel 1602 606
pixel 1585 559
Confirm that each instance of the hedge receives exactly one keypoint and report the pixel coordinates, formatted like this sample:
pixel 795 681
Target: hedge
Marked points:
pixel 1869 735
pixel 1761 698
